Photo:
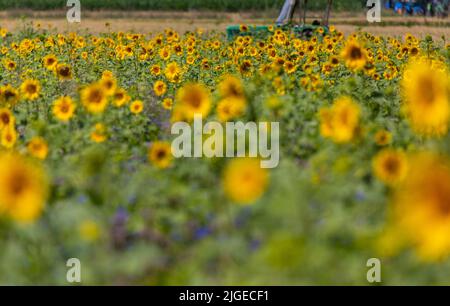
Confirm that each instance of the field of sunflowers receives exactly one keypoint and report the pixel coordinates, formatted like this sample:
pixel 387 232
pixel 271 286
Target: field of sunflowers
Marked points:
pixel 86 169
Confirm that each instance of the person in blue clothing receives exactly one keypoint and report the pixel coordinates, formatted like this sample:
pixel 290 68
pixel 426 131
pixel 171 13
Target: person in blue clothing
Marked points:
pixel 411 7
pixel 399 7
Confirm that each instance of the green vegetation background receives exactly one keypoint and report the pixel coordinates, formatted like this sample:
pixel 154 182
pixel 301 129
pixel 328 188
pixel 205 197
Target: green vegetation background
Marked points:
pixel 183 5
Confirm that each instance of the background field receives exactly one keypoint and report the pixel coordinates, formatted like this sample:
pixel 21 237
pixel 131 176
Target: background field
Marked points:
pixel 156 21
pixel 183 5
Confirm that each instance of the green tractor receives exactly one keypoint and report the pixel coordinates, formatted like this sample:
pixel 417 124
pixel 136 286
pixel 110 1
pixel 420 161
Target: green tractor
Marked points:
pixel 286 23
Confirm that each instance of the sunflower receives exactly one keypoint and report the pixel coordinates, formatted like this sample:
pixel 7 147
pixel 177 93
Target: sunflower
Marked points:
pixel 155 70
pixel 23 188
pixel 231 86
pixel 230 108
pixel 243 28
pixel 341 121
pixel 10 65
pixel 64 72
pixel 420 206
pixel 99 133
pixel 121 97
pixel 136 107
pixel 160 88
pixel 173 72
pixel 8 137
pixel 3 32
pixel 426 98
pixel 9 95
pixel 167 103
pixel 7 118
pixel 94 98
pixel 354 55
pixel 390 166
pixel 192 99
pixel 109 84
pixel 50 61
pixel 160 154
pixel 30 89
pixel 244 181
pixel 63 108
pixel 38 147
pixel 245 68
pixel 107 74
pixel 164 53
pixel 383 138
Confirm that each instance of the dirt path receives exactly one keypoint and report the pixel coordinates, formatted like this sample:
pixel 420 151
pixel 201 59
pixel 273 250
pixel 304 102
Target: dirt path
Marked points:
pixel 151 22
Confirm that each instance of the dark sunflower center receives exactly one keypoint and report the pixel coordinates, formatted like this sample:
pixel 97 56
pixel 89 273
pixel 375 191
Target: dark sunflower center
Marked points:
pixel 17 184
pixel 5 118
pixel 355 53
pixel 31 88
pixel 95 96
pixel 160 154
pixel 64 71
pixel 391 165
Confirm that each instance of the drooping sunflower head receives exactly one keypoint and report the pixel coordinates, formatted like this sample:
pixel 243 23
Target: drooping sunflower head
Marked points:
pixel 63 71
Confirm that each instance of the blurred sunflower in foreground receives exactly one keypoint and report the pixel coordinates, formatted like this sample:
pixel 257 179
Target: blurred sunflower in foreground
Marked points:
pixel 23 187
pixel 426 98
pixel 420 209
pixel 244 180
pixel 193 99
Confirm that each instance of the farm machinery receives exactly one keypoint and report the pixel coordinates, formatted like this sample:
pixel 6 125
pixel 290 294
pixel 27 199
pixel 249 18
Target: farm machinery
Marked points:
pixel 286 21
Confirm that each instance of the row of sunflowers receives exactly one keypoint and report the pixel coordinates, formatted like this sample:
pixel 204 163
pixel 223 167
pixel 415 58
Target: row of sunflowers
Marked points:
pixel 86 169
